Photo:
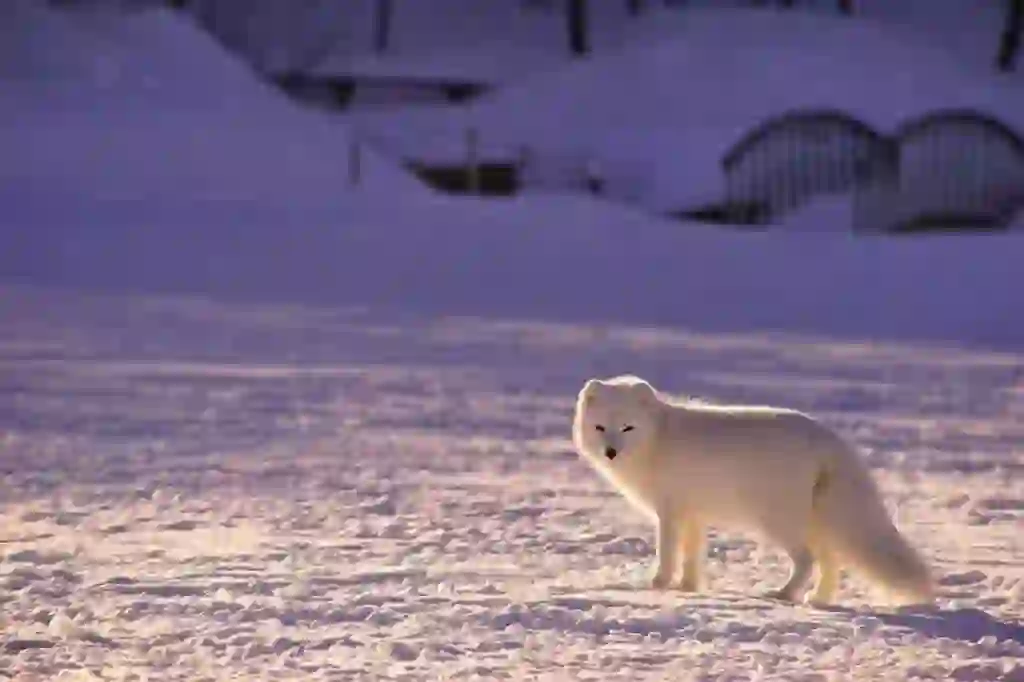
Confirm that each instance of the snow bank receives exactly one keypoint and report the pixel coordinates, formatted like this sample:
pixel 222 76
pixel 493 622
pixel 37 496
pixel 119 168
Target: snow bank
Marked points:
pixel 494 42
pixel 539 256
pixel 135 180
pixel 684 100
pixel 968 28
pixel 155 110
pixel 504 40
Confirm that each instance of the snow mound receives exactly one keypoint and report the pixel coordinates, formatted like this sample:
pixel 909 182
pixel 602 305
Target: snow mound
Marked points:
pixel 772 62
pixel 155 110
pixel 539 256
pixel 241 197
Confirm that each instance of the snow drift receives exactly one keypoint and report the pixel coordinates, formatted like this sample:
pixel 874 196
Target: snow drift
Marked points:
pixel 539 256
pixel 106 187
pixel 142 105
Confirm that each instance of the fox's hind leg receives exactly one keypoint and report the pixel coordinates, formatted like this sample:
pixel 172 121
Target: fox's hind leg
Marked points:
pixel 796 539
pixel 789 524
pixel 828 573
pixel 800 573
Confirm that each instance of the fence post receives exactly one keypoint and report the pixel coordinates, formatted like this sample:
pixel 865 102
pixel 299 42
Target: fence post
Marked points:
pixel 355 161
pixel 592 176
pixel 525 165
pixel 472 160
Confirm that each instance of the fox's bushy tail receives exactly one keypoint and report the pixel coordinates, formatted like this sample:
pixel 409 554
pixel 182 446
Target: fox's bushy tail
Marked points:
pixel 852 520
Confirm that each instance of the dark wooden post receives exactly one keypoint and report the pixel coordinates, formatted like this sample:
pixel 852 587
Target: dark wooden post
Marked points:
pixel 576 24
pixel 1009 41
pixel 383 11
pixel 355 162
pixel 473 184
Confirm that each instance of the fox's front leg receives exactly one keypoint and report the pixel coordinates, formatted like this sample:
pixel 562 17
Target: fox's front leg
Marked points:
pixel 694 548
pixel 667 550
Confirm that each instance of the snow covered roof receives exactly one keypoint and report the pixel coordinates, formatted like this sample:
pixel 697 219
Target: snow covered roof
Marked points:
pixel 677 105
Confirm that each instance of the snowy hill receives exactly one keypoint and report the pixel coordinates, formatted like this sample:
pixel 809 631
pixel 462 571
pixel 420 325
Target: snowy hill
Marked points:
pixel 230 191
pixel 504 40
pixel 539 256
pixel 143 105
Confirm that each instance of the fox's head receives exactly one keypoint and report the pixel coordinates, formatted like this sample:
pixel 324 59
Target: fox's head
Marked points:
pixel 615 417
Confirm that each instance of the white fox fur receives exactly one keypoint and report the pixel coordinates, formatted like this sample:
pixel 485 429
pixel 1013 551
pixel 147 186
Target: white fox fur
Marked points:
pixel 775 472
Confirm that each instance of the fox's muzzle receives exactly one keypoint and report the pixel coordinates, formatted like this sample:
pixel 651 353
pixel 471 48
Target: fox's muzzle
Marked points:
pixel 610 453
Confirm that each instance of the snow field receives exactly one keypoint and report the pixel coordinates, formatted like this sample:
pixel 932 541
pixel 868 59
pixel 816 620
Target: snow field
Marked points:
pixel 194 491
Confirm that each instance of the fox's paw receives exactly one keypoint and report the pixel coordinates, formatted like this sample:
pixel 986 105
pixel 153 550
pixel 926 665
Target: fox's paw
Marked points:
pixel 822 605
pixel 689 584
pixel 820 600
pixel 661 581
pixel 779 595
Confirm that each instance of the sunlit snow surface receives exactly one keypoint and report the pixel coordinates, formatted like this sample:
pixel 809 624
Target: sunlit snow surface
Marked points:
pixel 201 491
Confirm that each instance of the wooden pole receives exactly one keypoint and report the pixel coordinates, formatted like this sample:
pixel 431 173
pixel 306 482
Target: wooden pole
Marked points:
pixel 472 160
pixel 1009 41
pixel 382 25
pixel 355 162
pixel 576 24
pixel 525 161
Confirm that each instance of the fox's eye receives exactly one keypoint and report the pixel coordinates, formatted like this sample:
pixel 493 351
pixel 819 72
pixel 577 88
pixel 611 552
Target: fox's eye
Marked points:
pixel 627 428
pixel 599 428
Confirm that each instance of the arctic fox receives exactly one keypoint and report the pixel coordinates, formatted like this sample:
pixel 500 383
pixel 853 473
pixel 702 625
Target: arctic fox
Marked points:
pixel 772 471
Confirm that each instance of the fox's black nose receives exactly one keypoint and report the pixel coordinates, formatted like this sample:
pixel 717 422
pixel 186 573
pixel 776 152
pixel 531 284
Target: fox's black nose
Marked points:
pixel 610 453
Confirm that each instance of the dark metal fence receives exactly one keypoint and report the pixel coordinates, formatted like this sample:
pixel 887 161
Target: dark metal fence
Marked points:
pixel 783 162
pixel 958 167
pixel 955 169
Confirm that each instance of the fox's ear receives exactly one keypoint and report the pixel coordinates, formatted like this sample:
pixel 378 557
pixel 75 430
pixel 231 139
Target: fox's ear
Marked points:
pixel 646 392
pixel 589 390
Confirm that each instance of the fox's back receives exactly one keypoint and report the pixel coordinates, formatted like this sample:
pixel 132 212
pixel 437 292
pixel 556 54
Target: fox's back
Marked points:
pixel 742 460
pixel 741 431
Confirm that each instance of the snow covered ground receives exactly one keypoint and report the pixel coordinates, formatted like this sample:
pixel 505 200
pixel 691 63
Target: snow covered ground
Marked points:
pixel 201 491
